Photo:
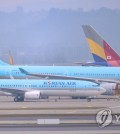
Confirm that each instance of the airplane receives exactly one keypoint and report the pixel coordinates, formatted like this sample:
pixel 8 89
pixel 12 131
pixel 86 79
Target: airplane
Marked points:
pixel 59 72
pixel 2 63
pixel 102 52
pixel 35 89
pixel 108 77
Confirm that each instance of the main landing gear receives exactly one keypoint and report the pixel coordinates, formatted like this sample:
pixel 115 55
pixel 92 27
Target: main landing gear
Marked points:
pixel 88 100
pixel 19 99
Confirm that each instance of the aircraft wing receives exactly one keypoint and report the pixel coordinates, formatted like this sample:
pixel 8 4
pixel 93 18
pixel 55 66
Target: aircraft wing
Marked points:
pixel 47 76
pixel 12 91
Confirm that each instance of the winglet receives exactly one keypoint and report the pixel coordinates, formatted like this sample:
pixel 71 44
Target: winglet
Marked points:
pixel 23 71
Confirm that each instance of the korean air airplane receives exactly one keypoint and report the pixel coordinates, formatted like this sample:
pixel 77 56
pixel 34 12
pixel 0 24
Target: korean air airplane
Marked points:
pixel 60 72
pixel 102 53
pixel 107 76
pixel 3 63
pixel 35 89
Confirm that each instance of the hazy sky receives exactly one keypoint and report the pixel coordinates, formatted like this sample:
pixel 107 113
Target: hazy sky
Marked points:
pixel 28 5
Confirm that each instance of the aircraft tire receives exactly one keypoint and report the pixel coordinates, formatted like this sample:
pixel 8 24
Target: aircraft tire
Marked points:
pixel 75 97
pixel 88 100
pixel 15 100
pixel 18 99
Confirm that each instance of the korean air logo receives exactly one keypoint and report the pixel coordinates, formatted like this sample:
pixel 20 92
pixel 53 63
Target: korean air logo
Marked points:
pixel 109 57
pixel 49 82
pixel 104 118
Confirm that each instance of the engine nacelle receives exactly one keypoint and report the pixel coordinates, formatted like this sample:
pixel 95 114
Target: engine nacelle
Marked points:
pixel 111 88
pixel 34 95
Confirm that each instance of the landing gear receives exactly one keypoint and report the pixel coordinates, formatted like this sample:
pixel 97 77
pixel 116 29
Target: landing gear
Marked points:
pixel 88 100
pixel 44 97
pixel 19 99
pixel 74 97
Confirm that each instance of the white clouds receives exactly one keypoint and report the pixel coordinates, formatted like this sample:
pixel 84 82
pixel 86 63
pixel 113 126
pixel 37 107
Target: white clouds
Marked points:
pixel 11 5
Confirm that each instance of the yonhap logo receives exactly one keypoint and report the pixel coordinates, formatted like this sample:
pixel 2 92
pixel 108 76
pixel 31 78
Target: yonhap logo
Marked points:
pixel 104 118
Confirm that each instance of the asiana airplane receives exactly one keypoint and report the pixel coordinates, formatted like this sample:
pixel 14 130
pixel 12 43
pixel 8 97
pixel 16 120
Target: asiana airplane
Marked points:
pixel 103 54
pixel 35 89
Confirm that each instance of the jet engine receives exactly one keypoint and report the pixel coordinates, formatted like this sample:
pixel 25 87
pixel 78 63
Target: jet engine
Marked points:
pixel 35 95
pixel 111 88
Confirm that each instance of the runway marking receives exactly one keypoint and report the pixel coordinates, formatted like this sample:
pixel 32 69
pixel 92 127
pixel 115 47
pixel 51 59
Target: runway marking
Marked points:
pixel 24 107
pixel 109 107
pixel 89 106
pixel 70 112
pixel 115 107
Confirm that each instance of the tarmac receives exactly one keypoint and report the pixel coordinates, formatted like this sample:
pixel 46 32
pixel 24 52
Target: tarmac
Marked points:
pixel 56 114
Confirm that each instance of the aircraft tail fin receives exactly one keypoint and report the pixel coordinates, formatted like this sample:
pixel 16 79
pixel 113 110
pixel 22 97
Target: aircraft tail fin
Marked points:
pixel 111 54
pixel 101 51
pixel 95 43
pixel 11 59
